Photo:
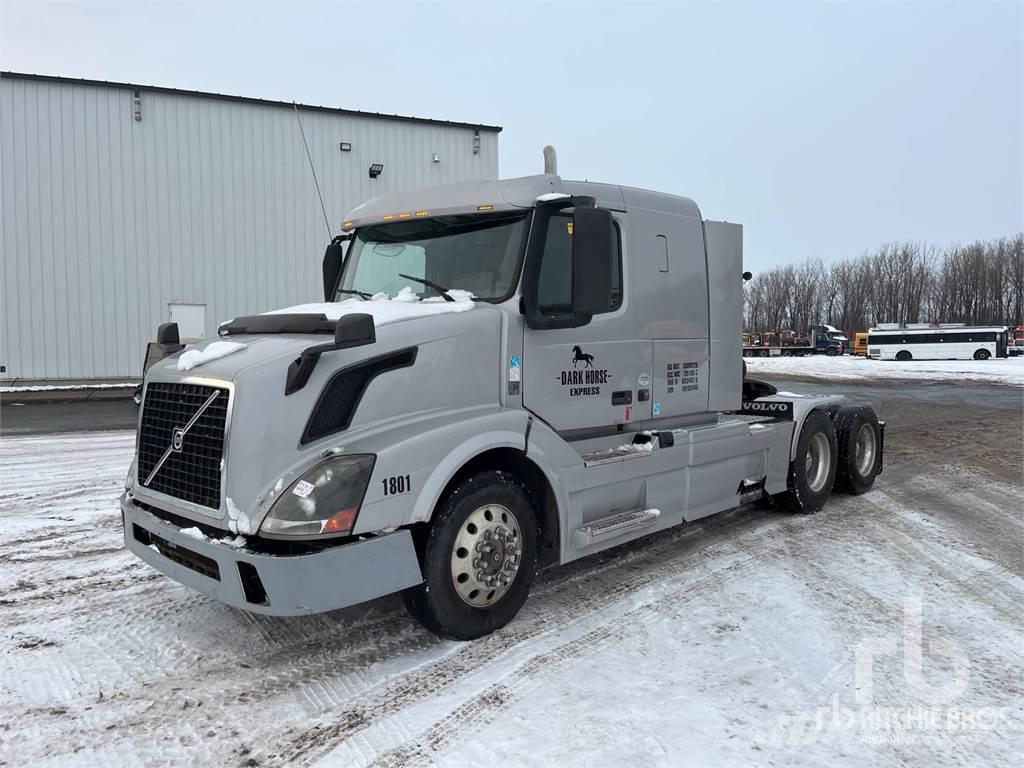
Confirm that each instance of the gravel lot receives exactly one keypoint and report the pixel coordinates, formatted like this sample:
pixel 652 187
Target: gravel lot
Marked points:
pixel 731 641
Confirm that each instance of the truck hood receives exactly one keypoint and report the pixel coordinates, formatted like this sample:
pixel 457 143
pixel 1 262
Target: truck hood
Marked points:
pixel 266 443
pixel 257 349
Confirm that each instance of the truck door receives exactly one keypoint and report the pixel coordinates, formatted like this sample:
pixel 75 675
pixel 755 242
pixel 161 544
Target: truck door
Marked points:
pixel 594 376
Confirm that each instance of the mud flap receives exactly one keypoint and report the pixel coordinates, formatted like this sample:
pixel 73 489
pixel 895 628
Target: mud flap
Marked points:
pixel 881 446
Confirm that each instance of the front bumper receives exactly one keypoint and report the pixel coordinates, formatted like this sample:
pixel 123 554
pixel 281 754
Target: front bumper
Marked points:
pixel 278 585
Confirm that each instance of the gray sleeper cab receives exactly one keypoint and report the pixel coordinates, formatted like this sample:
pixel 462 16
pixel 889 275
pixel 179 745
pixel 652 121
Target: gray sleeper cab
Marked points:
pixel 402 436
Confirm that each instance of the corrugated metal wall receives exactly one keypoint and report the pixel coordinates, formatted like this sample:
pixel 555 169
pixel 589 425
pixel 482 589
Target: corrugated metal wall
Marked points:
pixel 106 220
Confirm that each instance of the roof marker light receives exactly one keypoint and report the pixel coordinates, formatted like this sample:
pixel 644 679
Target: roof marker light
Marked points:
pixel 485 207
pixel 422 213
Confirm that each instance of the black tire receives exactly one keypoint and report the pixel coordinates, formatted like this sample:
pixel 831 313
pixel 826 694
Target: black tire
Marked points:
pixel 903 356
pixel 799 495
pixel 831 351
pixel 436 604
pixel 857 463
pixel 982 354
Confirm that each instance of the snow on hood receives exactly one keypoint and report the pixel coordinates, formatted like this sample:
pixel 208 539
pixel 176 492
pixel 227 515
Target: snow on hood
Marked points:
pixel 384 309
pixel 549 196
pixel 218 349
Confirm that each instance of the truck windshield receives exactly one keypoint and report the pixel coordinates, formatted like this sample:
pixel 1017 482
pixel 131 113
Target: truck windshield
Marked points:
pixel 475 253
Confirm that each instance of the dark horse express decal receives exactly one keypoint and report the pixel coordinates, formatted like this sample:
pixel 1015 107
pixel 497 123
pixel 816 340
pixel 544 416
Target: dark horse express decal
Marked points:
pixel 583 379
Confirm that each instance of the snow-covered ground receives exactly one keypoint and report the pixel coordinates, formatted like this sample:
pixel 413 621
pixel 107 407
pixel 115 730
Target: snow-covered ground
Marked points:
pixel 849 368
pixel 734 641
pixel 64 387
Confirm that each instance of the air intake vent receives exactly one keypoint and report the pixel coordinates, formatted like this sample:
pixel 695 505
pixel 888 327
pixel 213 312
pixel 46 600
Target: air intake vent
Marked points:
pixel 340 397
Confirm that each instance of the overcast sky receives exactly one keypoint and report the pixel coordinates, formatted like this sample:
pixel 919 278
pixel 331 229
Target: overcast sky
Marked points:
pixel 824 129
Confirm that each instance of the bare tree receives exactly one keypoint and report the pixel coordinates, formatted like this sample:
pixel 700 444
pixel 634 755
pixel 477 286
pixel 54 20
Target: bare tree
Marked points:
pixel 980 283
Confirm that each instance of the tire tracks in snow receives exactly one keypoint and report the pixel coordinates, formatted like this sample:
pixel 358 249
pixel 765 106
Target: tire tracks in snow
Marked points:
pixel 541 615
pixel 868 520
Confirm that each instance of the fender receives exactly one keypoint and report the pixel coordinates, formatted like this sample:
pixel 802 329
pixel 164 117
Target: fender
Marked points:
pixel 788 406
pixel 545 449
pixel 510 431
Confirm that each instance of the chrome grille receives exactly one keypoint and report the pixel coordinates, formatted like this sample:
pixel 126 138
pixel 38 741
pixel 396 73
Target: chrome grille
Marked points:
pixel 193 472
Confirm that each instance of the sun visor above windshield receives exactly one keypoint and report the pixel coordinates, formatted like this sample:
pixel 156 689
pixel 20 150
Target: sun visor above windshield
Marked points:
pixel 447 199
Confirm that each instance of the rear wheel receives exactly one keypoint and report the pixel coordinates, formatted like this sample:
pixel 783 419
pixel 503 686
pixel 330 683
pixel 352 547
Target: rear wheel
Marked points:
pixel 813 471
pixel 859 439
pixel 982 354
pixel 903 356
pixel 479 558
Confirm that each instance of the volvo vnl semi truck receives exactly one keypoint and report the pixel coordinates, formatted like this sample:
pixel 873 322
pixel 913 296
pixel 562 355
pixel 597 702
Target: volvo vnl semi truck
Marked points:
pixel 503 376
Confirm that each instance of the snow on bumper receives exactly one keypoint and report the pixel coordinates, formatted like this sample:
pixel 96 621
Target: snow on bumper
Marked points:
pixel 279 585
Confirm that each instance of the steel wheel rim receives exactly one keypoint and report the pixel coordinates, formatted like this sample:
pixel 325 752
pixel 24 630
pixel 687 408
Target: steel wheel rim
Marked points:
pixel 864 450
pixel 818 462
pixel 486 555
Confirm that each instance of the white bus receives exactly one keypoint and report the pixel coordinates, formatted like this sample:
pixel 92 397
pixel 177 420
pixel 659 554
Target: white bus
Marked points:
pixel 937 342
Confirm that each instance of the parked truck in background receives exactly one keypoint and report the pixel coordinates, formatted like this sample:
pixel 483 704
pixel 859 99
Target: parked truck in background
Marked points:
pixel 1015 344
pixel 503 376
pixel 860 344
pixel 819 340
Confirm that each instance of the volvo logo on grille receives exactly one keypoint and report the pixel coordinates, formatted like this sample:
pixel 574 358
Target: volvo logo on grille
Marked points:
pixel 178 437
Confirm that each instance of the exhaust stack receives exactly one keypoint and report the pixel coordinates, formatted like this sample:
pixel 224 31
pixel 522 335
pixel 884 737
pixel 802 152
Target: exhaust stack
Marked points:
pixel 550 160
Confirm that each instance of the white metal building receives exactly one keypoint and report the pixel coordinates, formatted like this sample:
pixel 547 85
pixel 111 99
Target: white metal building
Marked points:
pixel 123 206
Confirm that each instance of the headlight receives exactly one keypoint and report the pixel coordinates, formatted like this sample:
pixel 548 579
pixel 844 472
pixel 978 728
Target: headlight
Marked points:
pixel 324 501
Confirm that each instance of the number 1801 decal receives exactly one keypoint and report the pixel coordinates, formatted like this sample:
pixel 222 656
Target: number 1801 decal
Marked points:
pixel 396 484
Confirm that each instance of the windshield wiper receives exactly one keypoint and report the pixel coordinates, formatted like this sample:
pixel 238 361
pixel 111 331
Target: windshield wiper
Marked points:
pixel 360 294
pixel 430 284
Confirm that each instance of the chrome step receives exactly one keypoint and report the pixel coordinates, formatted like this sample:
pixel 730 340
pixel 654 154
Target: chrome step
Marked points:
pixel 614 525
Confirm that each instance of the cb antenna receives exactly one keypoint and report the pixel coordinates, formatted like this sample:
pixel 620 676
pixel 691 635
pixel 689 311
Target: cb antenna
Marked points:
pixel 312 170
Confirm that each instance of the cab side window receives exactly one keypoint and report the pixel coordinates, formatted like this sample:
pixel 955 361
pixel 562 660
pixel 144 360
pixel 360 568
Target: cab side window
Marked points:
pixel 554 288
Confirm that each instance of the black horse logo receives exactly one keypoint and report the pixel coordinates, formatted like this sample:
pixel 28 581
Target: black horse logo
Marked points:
pixel 579 355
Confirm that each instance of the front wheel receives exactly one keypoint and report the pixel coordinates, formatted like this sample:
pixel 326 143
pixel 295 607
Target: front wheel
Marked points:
pixel 813 471
pixel 903 356
pixel 831 351
pixel 982 354
pixel 479 558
